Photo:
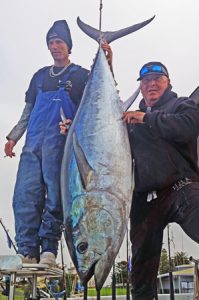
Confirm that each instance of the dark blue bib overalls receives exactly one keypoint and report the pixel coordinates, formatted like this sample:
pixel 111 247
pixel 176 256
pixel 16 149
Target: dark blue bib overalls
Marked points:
pixel 36 202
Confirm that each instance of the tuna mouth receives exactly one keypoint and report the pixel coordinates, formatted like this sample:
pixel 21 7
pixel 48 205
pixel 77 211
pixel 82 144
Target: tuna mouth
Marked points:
pixel 99 275
pixel 86 276
pixel 102 269
pixel 86 272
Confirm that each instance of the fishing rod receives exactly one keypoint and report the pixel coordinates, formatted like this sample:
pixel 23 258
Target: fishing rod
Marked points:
pixel 63 269
pixel 170 266
pixel 113 283
pixel 85 297
pixel 128 262
pixel 10 242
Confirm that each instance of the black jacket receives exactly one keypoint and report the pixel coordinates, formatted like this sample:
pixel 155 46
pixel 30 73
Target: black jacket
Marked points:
pixel 165 146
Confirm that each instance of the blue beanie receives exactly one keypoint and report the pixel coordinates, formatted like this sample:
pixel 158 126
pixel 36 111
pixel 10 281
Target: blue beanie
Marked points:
pixel 60 30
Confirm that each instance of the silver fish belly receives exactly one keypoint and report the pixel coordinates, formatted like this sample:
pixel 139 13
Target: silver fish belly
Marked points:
pixel 96 177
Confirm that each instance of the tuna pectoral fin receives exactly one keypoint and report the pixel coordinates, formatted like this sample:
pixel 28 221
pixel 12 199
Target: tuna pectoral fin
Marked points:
pixel 84 168
pixel 195 95
pixel 110 36
pixel 130 100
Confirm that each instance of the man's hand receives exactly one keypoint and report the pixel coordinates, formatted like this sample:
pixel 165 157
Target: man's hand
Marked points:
pixel 108 51
pixel 133 117
pixel 109 54
pixel 64 126
pixel 9 148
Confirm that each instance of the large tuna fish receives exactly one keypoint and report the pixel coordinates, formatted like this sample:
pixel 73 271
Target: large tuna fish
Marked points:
pixel 96 174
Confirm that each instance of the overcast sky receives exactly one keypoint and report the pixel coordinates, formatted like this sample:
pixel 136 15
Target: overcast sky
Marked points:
pixel 171 38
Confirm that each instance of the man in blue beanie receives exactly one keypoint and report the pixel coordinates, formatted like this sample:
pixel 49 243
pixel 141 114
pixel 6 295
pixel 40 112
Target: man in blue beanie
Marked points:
pixel 36 201
pixel 163 135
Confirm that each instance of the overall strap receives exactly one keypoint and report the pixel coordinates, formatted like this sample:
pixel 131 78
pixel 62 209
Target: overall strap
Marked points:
pixel 67 82
pixel 75 83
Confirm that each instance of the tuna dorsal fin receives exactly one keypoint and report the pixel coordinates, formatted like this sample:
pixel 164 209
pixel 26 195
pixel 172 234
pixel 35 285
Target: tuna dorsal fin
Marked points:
pixel 131 100
pixel 84 168
pixel 195 95
pixel 110 36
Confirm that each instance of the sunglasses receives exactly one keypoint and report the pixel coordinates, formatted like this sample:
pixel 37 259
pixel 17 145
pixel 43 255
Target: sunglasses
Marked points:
pixel 153 68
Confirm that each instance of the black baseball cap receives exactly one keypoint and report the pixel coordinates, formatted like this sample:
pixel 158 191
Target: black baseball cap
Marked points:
pixel 153 68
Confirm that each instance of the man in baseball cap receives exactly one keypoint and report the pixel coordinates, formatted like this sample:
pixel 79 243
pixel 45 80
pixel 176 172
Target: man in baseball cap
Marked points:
pixel 163 136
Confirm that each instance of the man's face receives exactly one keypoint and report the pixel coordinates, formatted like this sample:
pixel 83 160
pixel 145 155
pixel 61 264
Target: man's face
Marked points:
pixel 153 87
pixel 58 49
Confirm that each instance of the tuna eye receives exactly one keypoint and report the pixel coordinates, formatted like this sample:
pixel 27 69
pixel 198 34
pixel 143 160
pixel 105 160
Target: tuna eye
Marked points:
pixel 82 247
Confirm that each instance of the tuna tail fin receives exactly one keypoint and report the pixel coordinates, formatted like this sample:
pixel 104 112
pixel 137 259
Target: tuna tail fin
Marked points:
pixel 84 168
pixel 110 36
pixel 131 99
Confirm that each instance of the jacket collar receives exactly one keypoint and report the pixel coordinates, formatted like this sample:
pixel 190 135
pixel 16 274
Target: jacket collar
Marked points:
pixel 165 98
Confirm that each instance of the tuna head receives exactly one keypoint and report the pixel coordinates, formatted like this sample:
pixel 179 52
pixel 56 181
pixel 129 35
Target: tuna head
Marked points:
pixel 95 232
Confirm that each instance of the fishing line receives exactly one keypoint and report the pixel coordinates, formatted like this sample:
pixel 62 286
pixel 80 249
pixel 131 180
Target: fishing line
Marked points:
pixel 100 18
pixel 100 22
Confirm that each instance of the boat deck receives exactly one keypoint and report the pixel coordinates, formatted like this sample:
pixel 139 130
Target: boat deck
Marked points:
pixel 11 265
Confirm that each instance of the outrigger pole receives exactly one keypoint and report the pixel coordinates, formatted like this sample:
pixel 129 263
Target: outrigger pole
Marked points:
pixel 8 236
